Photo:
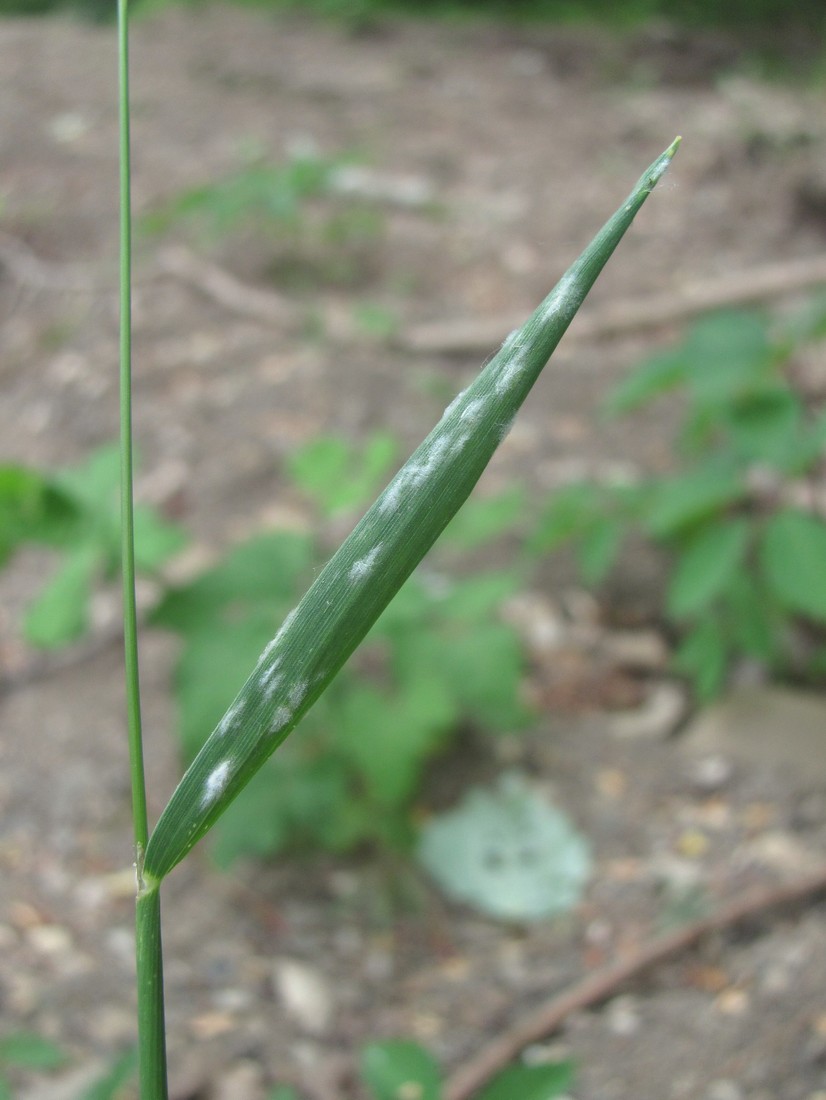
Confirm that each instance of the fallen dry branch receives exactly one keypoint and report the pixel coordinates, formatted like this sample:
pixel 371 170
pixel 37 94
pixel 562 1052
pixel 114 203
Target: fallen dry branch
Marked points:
pixel 478 335
pixel 27 269
pixel 604 983
pixel 470 336
pixel 224 289
pixel 177 262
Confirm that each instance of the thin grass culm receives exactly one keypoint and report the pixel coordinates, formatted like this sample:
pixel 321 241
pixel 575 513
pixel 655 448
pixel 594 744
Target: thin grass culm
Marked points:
pixel 149 958
pixel 344 601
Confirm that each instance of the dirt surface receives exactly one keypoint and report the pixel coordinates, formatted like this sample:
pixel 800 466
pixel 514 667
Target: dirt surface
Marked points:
pixel 523 141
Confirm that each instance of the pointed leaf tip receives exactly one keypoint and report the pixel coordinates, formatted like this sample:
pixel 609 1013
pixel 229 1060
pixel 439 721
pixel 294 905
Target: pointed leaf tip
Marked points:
pixel 658 168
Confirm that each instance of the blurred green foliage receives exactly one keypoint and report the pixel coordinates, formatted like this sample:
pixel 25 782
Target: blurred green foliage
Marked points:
pixel 756 19
pixel 76 513
pixel 739 519
pixel 318 234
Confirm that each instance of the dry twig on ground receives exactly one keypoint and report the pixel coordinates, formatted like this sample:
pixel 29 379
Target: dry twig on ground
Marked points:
pixel 604 983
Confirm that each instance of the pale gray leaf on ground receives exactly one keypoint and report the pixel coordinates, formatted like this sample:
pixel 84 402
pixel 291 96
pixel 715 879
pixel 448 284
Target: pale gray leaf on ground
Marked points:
pixel 507 852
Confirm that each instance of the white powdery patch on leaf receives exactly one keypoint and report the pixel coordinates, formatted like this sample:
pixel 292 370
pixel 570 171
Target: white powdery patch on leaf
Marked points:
pixel 285 626
pixel 560 298
pixel 454 404
pixel 412 475
pixel 363 567
pixel 391 496
pixel 510 372
pixel 281 718
pixel 271 679
pixel 270 649
pixel 295 696
pixel 229 719
pixel 216 783
pixel 473 413
pixel 422 470
pixel 284 714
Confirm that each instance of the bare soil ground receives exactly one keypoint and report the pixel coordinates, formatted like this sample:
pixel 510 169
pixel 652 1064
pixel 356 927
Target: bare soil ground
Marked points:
pixel 526 140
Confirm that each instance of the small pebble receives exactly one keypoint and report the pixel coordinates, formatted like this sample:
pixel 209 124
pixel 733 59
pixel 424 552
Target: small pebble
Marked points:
pixel 109 1025
pixel 711 773
pixel 622 1016
pixel 305 994
pixel 232 999
pixel 209 1025
pixel 733 1002
pixel 50 939
pixel 724 1089
pixel 244 1080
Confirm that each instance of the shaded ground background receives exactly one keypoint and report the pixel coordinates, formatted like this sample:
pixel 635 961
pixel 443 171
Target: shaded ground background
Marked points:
pixel 527 139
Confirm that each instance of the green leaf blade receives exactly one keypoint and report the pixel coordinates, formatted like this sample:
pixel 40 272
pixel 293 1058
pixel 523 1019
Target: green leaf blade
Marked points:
pixel 541 1082
pixel 793 562
pixel 703 657
pixel 680 502
pixel 60 613
pixel 398 1068
pixel 375 560
pixel 706 567
pixel 28 1050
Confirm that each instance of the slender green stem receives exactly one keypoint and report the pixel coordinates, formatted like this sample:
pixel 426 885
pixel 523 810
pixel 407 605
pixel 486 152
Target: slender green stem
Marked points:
pixel 151 1026
pixel 130 624
pixel 151 1023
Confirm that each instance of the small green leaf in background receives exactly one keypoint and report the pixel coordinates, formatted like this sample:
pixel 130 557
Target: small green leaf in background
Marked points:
pixel 570 512
pixel 655 376
pixel 61 612
pixel 677 503
pixel 540 1082
pixel 376 321
pixel 754 618
pixel 338 475
pixel 389 737
pixel 28 1050
pixel 792 557
pixel 507 852
pixel 120 1073
pixel 766 426
pixel 703 657
pixel 156 541
pixel 258 194
pixel 729 352
pixel 283 1092
pixel 599 547
pixel 76 511
pixel 706 566
pixel 32 509
pixel 485 518
pixel 400 1070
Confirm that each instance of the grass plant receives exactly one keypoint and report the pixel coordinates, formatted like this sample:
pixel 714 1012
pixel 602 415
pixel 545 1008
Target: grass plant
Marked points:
pixel 346 598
